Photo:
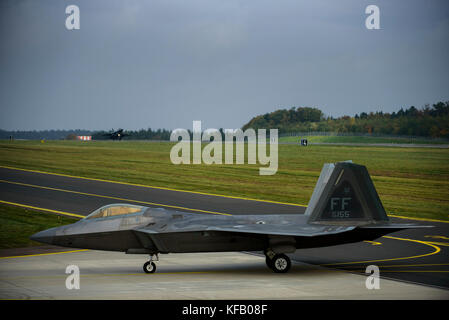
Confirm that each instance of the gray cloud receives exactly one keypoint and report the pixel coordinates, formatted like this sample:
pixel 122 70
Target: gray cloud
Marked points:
pixel 164 63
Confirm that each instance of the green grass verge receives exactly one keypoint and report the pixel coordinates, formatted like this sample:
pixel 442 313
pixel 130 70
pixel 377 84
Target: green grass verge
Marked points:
pixel 18 224
pixel 363 139
pixel 411 182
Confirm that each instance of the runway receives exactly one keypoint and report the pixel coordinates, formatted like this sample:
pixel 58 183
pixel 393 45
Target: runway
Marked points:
pixel 415 256
pixel 82 196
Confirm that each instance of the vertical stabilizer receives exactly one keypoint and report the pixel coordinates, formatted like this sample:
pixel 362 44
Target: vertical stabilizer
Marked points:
pixel 345 193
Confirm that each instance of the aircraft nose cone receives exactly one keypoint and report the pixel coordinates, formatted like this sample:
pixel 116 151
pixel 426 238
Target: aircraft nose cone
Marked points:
pixel 45 236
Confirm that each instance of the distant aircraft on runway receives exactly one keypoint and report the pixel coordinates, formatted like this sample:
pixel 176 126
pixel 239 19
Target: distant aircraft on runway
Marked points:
pixel 344 208
pixel 116 135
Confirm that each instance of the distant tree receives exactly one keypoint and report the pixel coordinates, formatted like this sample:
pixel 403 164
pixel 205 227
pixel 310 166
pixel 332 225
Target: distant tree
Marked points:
pixel 428 121
pixel 70 136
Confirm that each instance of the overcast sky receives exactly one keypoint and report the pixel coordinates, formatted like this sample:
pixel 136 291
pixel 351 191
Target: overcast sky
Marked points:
pixel 165 63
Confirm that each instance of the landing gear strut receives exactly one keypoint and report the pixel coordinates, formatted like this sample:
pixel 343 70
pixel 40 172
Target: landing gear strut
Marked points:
pixel 279 263
pixel 150 266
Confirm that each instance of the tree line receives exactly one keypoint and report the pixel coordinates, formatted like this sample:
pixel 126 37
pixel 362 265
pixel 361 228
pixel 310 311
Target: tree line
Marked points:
pixel 42 134
pixel 428 121
pixel 142 134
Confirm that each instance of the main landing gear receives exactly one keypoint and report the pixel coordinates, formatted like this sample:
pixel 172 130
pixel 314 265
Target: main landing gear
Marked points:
pixel 278 262
pixel 150 266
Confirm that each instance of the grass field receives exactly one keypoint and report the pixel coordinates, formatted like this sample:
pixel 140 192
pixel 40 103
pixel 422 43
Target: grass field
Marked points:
pixel 362 139
pixel 411 182
pixel 18 224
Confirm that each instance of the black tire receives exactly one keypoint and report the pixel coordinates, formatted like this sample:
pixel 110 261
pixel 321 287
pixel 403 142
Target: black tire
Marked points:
pixel 149 267
pixel 281 263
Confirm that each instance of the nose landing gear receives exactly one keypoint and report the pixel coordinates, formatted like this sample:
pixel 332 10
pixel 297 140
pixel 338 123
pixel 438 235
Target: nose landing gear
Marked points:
pixel 150 266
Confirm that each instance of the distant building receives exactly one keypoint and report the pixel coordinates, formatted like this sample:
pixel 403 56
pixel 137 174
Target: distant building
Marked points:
pixel 84 138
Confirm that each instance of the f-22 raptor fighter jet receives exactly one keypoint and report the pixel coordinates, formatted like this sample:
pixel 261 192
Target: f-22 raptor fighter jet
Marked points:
pixel 344 208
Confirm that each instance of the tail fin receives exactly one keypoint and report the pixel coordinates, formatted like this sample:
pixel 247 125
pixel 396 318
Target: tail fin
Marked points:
pixel 345 194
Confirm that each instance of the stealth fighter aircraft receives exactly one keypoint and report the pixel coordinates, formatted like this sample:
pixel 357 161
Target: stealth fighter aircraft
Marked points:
pixel 344 208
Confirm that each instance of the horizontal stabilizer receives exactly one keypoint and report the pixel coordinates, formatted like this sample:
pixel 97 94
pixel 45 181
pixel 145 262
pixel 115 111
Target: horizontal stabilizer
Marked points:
pixel 396 226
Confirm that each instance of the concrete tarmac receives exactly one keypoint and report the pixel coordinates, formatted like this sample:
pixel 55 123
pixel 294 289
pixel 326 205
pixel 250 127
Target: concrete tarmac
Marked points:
pixel 109 275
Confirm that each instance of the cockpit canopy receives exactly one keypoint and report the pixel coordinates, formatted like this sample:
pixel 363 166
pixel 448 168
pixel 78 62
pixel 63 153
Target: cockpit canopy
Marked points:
pixel 114 210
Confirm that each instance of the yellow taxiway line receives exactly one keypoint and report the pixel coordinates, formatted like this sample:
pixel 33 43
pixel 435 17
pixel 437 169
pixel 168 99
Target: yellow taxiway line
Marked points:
pixel 437 249
pixel 43 254
pixel 42 209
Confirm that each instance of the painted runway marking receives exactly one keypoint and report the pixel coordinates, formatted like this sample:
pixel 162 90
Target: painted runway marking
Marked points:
pixel 437 237
pixel 43 254
pixel 42 209
pixel 444 244
pixel 391 215
pixel 437 250
pixel 374 243
pixel 406 265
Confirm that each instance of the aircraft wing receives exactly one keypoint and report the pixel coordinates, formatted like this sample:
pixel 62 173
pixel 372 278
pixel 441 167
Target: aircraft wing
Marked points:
pixel 310 230
pixel 262 229
pixel 280 229
pixel 292 230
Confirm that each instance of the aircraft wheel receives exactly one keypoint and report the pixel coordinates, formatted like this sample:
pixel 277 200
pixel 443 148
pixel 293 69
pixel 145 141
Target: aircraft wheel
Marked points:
pixel 280 263
pixel 149 267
